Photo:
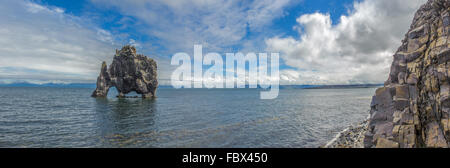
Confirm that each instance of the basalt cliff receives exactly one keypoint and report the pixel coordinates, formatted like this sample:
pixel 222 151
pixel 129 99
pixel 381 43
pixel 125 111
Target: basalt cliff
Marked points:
pixel 413 108
pixel 128 72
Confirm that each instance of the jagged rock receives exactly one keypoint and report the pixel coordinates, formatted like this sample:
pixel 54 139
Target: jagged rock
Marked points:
pixel 128 72
pixel 412 109
pixel 352 137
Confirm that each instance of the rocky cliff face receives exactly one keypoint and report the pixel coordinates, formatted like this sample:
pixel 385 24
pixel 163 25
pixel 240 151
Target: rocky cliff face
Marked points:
pixel 413 108
pixel 128 72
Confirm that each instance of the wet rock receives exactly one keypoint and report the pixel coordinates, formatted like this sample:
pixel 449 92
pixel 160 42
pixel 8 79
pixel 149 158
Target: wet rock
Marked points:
pixel 128 72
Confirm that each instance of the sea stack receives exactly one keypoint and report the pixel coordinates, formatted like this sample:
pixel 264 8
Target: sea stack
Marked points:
pixel 412 109
pixel 128 72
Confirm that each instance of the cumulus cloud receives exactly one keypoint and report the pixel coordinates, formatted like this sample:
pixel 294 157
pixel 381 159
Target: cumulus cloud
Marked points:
pixel 176 26
pixel 358 49
pixel 43 43
pixel 217 24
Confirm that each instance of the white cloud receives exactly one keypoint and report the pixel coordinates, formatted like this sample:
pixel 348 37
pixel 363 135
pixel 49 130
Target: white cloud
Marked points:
pixel 40 42
pixel 35 8
pixel 45 43
pixel 358 49
pixel 217 24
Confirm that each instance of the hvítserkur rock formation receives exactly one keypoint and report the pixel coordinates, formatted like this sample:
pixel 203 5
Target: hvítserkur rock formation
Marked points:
pixel 128 72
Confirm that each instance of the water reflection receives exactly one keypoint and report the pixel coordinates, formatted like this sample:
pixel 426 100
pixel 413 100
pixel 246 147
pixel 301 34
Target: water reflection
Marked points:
pixel 121 121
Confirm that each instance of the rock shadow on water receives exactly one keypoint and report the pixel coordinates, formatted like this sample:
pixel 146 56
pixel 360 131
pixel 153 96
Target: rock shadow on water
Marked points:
pixel 121 121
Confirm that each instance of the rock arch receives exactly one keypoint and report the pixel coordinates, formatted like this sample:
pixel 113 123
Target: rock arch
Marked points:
pixel 128 72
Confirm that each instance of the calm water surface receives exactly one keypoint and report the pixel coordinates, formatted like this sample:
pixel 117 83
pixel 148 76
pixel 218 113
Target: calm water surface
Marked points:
pixel 69 117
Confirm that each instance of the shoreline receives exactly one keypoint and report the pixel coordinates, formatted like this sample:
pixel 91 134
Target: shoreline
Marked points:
pixel 351 137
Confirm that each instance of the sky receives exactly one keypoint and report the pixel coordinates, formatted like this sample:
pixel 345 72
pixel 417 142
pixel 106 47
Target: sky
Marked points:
pixel 321 42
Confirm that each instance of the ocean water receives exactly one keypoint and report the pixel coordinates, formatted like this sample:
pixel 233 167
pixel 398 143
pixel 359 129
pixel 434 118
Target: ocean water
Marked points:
pixel 228 118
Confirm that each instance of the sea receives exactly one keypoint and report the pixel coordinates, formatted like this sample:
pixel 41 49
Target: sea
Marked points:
pixel 54 117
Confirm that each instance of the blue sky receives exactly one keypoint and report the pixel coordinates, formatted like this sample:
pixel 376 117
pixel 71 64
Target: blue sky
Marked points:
pixel 319 41
pixel 108 18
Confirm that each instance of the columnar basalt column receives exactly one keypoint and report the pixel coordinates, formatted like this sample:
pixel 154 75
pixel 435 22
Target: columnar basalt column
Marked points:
pixel 413 108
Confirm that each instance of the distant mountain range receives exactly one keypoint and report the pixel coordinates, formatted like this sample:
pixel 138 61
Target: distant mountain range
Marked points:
pixel 55 85
pixel 344 86
pixel 93 85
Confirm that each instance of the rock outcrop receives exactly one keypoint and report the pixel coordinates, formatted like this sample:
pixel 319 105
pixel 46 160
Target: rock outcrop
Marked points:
pixel 413 108
pixel 352 137
pixel 128 72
